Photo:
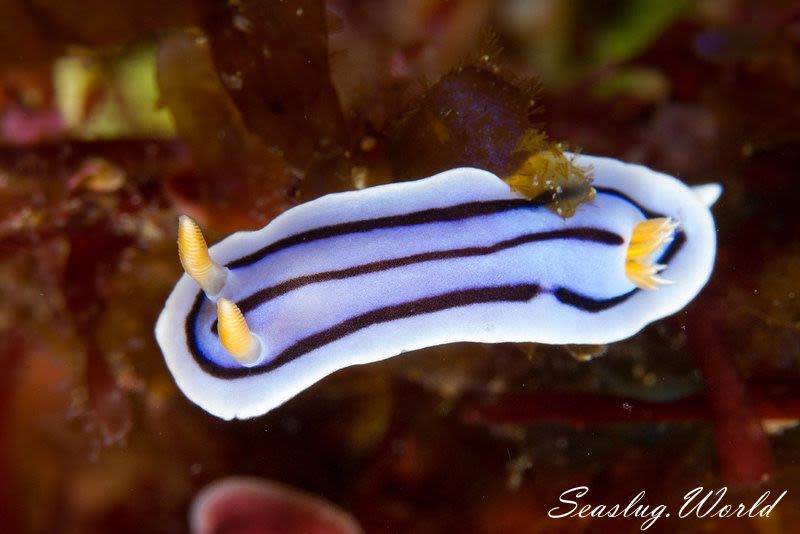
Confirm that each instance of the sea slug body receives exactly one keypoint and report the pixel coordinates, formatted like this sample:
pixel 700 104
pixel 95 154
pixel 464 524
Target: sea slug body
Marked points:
pixel 357 277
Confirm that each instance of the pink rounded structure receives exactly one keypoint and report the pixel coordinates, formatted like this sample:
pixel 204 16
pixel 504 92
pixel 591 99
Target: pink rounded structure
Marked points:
pixel 249 505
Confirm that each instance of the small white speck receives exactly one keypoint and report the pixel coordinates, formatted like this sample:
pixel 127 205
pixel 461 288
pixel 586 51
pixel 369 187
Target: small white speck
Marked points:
pixel 232 81
pixel 242 23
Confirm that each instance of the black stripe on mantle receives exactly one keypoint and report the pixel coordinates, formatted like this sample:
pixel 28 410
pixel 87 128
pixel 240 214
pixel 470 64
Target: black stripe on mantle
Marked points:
pixel 266 294
pixel 457 212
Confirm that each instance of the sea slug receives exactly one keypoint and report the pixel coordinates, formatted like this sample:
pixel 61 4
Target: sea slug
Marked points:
pixel 357 277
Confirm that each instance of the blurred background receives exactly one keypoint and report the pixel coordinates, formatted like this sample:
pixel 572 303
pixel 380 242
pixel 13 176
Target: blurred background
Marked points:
pixel 116 117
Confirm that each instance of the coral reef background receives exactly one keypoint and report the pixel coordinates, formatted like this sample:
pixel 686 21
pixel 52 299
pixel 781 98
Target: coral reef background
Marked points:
pixel 115 117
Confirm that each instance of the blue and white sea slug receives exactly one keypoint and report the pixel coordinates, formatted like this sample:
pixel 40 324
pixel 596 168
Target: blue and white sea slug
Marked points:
pixel 357 277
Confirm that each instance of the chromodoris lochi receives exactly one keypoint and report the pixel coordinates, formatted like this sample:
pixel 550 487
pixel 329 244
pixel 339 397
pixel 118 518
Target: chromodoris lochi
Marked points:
pixel 357 277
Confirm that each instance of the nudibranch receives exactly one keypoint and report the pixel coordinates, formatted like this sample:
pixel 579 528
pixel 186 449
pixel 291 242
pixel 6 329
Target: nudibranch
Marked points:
pixel 360 276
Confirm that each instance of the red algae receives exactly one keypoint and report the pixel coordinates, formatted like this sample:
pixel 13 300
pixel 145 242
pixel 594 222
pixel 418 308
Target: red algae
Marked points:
pixel 209 122
pixel 273 60
pixel 471 117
